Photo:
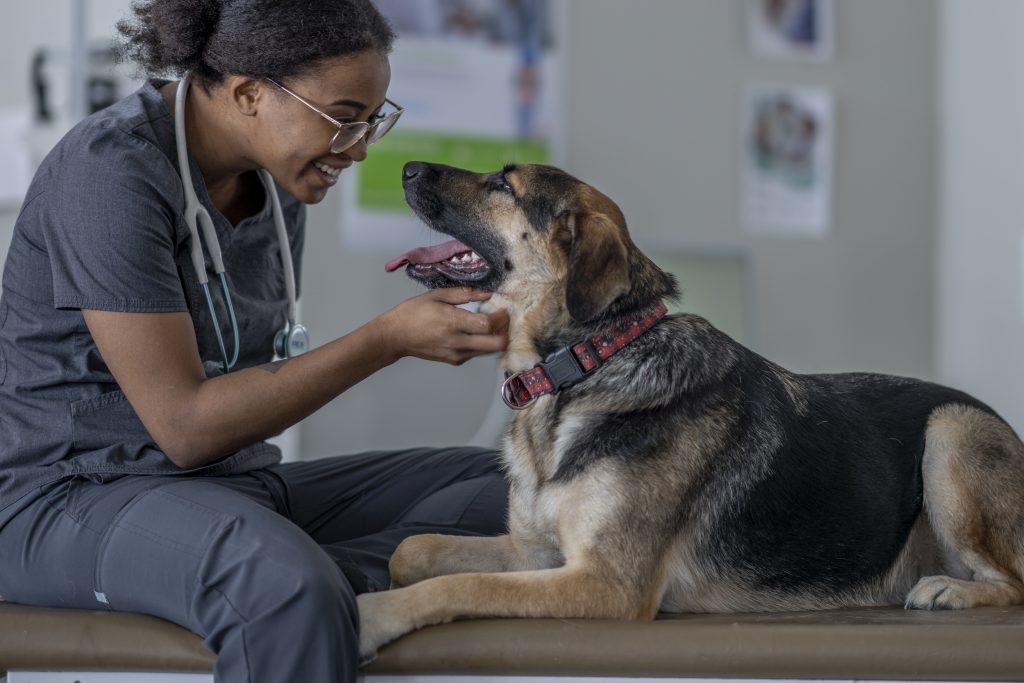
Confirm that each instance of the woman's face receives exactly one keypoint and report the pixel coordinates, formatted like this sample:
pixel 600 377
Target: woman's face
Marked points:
pixel 293 142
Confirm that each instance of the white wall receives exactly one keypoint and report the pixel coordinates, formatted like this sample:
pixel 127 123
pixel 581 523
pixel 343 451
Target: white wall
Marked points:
pixel 980 278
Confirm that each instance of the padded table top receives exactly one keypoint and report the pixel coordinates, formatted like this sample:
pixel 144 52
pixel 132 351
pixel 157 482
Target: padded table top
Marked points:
pixel 891 643
pixel 41 639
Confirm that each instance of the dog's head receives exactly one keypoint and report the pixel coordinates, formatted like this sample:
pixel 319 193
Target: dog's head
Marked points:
pixel 529 233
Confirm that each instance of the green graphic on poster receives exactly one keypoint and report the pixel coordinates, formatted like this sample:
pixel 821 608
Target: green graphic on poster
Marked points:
pixel 380 178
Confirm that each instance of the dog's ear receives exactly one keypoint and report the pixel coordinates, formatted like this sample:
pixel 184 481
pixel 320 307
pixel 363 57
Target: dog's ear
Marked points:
pixel 598 262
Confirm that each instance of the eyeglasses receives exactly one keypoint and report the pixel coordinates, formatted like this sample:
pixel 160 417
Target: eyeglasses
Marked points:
pixel 351 132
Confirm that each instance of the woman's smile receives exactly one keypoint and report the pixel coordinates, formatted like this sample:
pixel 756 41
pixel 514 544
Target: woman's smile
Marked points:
pixel 329 172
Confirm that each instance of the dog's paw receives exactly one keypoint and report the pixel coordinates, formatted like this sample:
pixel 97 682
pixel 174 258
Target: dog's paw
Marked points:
pixel 416 559
pixel 408 563
pixel 940 592
pixel 381 620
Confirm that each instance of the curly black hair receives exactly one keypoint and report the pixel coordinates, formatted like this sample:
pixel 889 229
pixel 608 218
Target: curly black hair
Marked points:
pixel 258 38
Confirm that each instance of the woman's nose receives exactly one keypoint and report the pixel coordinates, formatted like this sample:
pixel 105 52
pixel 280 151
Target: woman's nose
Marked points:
pixel 357 152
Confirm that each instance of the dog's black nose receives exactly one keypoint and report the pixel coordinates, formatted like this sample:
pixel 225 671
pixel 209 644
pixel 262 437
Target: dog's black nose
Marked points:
pixel 413 169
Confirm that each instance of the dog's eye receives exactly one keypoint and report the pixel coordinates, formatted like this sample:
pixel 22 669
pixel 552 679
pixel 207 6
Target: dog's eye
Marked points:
pixel 501 184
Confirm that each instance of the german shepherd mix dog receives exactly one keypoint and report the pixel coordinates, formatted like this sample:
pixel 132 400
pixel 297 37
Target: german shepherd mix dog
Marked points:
pixel 686 473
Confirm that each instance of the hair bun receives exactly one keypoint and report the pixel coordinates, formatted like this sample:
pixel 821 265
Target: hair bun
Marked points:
pixel 169 35
pixel 186 29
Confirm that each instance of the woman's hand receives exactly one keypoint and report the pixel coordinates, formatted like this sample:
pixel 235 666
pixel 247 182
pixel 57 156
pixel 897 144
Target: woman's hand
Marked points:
pixel 430 326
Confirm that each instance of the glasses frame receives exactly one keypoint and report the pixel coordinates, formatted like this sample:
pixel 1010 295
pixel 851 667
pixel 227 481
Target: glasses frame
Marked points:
pixel 356 129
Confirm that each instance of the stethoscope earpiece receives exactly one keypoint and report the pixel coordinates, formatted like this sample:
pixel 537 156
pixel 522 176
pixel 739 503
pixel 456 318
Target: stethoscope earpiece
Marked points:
pixel 291 341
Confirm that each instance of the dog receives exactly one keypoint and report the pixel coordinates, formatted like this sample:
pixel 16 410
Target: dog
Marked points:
pixel 686 473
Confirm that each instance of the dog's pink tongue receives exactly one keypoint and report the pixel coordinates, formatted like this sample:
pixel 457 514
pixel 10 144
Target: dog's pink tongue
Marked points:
pixel 424 255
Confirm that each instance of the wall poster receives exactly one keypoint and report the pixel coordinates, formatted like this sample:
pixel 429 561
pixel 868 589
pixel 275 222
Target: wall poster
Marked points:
pixel 481 83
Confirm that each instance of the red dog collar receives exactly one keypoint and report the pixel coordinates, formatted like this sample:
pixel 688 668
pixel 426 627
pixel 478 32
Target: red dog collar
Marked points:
pixel 570 364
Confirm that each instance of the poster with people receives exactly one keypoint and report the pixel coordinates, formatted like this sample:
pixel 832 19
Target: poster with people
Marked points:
pixel 481 84
pixel 787 150
pixel 792 29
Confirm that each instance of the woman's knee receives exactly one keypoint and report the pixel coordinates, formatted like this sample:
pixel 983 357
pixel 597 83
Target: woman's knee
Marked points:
pixel 258 610
pixel 323 586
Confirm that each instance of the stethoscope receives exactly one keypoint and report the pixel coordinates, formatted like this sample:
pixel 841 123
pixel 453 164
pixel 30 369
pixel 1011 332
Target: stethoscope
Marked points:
pixel 293 339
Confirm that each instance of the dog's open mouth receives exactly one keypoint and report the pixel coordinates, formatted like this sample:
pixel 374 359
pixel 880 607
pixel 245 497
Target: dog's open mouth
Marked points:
pixel 453 260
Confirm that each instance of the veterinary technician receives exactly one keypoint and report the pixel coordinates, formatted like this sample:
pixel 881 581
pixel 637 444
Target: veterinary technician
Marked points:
pixel 137 384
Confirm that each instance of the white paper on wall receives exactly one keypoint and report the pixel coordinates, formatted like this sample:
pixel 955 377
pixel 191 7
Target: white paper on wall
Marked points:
pixel 786 160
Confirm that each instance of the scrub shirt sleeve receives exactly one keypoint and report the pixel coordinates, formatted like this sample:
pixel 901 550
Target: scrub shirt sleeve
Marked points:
pixel 110 231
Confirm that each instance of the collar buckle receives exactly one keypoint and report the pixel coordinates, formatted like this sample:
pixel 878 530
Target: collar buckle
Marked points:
pixel 562 368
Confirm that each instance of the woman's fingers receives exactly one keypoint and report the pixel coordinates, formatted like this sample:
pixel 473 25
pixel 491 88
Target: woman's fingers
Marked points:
pixel 494 323
pixel 484 343
pixel 459 295
pixel 433 327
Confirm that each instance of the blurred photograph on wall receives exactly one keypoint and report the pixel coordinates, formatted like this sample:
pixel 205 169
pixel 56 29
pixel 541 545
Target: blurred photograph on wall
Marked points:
pixel 787 148
pixel 791 29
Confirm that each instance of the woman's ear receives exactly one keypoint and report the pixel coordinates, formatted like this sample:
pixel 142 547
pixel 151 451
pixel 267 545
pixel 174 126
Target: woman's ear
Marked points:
pixel 246 93
pixel 598 264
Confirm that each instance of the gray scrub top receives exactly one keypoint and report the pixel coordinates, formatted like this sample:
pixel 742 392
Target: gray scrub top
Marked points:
pixel 101 228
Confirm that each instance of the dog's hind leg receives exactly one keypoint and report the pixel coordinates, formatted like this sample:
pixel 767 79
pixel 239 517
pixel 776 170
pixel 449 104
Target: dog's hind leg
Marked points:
pixel 973 469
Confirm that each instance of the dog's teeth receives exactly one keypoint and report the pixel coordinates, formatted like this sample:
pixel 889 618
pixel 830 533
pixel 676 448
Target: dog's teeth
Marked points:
pixel 466 259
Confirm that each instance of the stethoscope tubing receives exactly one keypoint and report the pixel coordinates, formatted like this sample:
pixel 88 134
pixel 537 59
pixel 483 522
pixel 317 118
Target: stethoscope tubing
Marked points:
pixel 196 216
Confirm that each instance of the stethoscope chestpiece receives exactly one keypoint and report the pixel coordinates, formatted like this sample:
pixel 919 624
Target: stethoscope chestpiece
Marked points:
pixel 292 341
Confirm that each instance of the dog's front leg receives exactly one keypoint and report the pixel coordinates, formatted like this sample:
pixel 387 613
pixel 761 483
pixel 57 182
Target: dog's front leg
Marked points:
pixel 564 592
pixel 429 555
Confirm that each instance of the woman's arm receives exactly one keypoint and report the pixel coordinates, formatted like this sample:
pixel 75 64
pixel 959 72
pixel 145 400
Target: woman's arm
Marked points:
pixel 195 421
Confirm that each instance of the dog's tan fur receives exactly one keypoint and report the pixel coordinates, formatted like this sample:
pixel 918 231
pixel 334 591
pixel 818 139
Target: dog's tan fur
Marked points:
pixel 611 540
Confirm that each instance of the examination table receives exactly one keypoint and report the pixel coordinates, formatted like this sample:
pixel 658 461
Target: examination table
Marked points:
pixel 852 644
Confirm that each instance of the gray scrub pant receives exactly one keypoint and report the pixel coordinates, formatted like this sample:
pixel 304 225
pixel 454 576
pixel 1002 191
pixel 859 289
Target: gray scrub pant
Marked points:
pixel 264 565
